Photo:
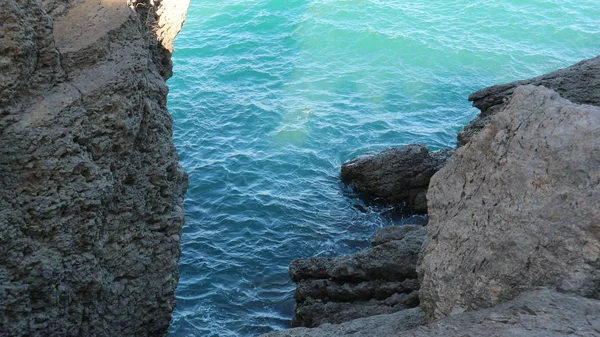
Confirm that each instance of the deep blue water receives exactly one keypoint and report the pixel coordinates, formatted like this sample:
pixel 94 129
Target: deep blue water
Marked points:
pixel 269 98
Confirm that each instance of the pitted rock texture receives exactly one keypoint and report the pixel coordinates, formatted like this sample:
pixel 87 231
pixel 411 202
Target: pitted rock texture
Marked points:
pixel 579 83
pixel 91 192
pixel 537 313
pixel 396 175
pixel 516 207
pixel 374 281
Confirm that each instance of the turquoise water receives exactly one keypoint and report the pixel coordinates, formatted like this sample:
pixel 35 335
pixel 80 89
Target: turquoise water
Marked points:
pixel 269 98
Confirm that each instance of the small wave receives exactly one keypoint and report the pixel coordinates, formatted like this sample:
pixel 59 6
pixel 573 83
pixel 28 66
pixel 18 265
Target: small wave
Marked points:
pixel 269 98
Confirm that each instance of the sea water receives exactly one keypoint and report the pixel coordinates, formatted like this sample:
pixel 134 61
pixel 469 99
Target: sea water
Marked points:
pixel 270 97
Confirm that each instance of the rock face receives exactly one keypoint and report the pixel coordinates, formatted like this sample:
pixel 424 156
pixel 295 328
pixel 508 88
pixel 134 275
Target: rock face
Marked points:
pixel 579 83
pixel 537 313
pixel 91 192
pixel 379 325
pixel 375 281
pixel 517 207
pixel 396 175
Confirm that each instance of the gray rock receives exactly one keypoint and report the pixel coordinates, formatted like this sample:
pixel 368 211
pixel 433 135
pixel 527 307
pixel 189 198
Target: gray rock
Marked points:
pixel 392 233
pixel 538 313
pixel 392 261
pixel 329 290
pixel 579 83
pixel 396 175
pixel 314 313
pixel 516 207
pixel 92 194
pixel 371 282
pixel 378 325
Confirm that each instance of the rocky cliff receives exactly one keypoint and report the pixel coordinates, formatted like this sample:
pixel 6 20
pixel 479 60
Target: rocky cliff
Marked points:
pixel 513 238
pixel 517 207
pixel 91 192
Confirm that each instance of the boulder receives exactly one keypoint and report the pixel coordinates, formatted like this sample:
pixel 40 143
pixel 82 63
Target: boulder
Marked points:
pixel 396 175
pixel 579 83
pixel 516 207
pixel 536 313
pixel 395 233
pixel 371 282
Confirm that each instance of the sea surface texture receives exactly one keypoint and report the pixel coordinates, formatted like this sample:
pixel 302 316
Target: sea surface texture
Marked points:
pixel 269 98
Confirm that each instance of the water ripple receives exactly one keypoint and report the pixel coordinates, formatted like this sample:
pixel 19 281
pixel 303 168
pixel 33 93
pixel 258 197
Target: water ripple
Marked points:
pixel 269 97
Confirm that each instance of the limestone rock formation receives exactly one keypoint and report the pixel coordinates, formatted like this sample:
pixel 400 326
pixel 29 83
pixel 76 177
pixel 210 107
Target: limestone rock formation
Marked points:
pixel 396 175
pixel 579 83
pixel 375 281
pixel 91 192
pixel 516 207
pixel 537 313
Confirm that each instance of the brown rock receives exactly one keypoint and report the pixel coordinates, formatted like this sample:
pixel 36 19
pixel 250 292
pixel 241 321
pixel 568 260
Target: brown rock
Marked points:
pixel 516 207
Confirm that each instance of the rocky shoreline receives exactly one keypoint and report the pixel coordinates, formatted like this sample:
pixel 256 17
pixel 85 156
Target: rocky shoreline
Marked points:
pixel 92 194
pixel 512 246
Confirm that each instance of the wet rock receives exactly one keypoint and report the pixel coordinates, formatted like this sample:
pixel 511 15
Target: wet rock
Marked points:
pixel 91 191
pixel 517 207
pixel 579 83
pixel 537 313
pixel 396 175
pixel 371 282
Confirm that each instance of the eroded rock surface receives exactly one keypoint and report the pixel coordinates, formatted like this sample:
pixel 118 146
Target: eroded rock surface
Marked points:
pixel 91 192
pixel 537 313
pixel 517 207
pixel 374 281
pixel 579 83
pixel 396 175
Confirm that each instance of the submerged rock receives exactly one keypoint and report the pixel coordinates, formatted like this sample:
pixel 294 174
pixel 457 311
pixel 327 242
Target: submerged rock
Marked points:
pixel 91 191
pixel 537 313
pixel 517 207
pixel 396 175
pixel 579 83
pixel 371 282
